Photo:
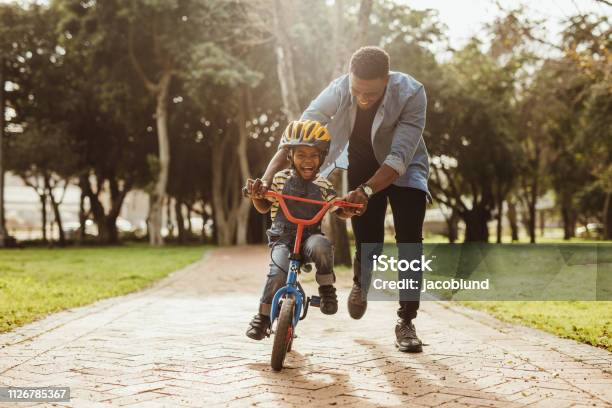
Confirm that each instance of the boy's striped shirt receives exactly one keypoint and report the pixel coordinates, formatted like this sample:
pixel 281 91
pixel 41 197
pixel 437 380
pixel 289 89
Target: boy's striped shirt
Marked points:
pixel 280 179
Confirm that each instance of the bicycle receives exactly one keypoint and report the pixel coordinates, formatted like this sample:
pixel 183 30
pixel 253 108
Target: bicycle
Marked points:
pixel 290 303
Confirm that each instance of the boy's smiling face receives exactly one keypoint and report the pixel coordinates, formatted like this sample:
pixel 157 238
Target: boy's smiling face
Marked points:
pixel 306 160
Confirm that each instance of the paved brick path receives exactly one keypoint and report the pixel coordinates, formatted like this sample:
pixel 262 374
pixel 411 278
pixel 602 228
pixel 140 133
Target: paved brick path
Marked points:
pixel 182 343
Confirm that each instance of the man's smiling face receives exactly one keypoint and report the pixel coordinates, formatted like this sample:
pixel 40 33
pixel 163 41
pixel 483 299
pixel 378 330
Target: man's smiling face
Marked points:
pixel 367 91
pixel 306 160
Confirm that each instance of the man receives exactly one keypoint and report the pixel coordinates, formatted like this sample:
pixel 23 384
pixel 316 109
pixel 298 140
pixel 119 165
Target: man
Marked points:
pixel 377 117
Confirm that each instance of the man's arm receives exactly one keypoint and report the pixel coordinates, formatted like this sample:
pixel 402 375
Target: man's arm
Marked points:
pixel 407 133
pixel 383 178
pixel 321 109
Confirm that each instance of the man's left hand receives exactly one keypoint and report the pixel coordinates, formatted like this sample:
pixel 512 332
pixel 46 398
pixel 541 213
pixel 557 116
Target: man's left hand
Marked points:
pixel 356 196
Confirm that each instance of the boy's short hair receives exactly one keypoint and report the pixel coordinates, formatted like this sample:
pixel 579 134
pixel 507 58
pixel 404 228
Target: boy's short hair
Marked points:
pixel 370 63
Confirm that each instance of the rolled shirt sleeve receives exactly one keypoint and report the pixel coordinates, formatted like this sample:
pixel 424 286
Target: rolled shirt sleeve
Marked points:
pixel 408 132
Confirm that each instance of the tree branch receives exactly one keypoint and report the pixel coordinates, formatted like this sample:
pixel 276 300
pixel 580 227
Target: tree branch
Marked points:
pixel 151 86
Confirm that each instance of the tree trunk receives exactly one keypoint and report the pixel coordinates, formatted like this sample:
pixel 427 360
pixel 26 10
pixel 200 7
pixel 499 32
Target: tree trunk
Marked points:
pixel 82 218
pixel 339 40
pixel 56 212
pixel 180 221
pixel 106 223
pixel 476 229
pixel 337 231
pixel 566 222
pixel 512 220
pixel 532 222
pixel 244 206
pixel 43 215
pixel 223 223
pixel 363 22
pixel 607 216
pixel 533 200
pixel 3 232
pixel 282 19
pixel 189 226
pixel 155 220
pixel 110 230
pixel 169 222
pixel 159 194
pixel 500 213
pixel 257 227
pixel 452 226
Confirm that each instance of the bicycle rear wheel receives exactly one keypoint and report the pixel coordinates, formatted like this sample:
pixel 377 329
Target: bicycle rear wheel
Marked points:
pixel 283 335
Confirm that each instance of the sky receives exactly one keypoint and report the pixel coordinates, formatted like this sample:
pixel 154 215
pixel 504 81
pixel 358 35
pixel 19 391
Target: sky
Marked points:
pixel 465 18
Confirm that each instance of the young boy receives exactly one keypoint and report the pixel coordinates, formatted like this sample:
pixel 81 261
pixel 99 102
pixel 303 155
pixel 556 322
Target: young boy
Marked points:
pixel 308 144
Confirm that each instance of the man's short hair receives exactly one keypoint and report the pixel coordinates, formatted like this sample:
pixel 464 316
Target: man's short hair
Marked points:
pixel 370 63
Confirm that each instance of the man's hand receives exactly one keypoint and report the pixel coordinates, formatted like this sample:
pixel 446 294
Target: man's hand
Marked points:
pixel 357 197
pixel 257 188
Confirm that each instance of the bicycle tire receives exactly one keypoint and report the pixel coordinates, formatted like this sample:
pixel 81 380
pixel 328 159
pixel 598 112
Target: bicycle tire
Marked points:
pixel 283 335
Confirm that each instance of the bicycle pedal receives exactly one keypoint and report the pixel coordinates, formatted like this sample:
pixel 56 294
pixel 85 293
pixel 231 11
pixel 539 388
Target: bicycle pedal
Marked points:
pixel 315 301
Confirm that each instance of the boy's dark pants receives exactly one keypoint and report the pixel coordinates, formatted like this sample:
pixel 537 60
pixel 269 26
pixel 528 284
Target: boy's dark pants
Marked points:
pixel 316 248
pixel 408 207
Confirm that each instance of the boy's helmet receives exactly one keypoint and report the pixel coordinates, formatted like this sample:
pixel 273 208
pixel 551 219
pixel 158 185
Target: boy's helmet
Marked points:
pixel 307 133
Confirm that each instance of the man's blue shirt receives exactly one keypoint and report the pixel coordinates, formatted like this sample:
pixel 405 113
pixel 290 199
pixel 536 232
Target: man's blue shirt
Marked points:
pixel 397 130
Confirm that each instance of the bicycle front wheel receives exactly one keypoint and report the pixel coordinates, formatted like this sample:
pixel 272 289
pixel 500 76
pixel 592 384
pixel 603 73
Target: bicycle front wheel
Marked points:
pixel 283 335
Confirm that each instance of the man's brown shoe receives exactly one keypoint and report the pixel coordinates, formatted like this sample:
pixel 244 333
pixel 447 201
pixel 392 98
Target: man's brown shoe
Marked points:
pixel 357 304
pixel 406 337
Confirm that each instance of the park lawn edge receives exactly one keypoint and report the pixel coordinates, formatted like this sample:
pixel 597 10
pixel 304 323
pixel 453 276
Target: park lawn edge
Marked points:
pixel 32 314
pixel 603 341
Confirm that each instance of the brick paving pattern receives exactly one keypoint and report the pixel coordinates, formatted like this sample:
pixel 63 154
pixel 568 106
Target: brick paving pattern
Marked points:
pixel 181 343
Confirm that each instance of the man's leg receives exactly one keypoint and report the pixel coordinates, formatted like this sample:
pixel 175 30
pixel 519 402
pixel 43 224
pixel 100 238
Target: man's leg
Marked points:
pixel 277 277
pixel 318 249
pixel 408 206
pixel 367 228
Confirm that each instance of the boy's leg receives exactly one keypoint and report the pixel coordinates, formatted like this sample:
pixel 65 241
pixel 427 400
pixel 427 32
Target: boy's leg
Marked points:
pixel 318 249
pixel 277 277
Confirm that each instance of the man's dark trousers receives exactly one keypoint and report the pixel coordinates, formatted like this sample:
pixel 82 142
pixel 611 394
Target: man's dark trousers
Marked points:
pixel 408 207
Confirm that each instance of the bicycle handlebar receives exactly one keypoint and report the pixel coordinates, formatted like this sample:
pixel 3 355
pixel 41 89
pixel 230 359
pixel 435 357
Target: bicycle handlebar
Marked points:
pixel 325 206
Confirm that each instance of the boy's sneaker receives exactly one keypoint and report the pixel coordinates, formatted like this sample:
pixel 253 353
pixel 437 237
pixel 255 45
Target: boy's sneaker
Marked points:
pixel 258 328
pixel 329 300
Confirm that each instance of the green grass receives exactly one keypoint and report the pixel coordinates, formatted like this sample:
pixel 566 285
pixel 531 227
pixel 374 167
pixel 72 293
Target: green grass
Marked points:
pixel 586 322
pixel 37 281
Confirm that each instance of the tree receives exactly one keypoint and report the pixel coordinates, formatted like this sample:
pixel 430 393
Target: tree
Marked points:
pixel 37 74
pixel 471 138
pixel 587 44
pixel 164 41
pixel 13 27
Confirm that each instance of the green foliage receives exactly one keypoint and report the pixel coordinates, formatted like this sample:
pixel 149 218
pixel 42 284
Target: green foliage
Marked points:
pixel 502 119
